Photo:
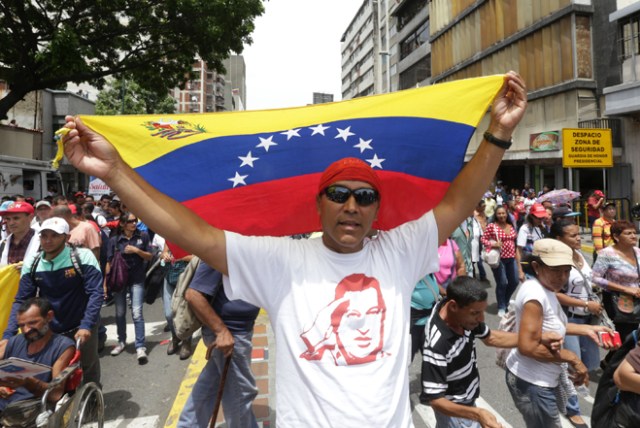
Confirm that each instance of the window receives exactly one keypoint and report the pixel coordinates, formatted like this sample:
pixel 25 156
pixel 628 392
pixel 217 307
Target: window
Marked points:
pixel 415 74
pixel 410 9
pixel 629 32
pixel 416 39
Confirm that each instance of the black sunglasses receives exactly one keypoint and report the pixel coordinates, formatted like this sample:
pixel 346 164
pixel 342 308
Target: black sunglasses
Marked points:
pixel 339 194
pixel 134 221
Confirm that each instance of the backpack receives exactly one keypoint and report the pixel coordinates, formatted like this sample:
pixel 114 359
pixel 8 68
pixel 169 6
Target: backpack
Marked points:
pixel 185 322
pixel 613 407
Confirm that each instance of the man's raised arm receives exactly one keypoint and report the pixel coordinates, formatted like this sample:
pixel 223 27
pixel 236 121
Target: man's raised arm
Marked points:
pixel 468 187
pixel 92 154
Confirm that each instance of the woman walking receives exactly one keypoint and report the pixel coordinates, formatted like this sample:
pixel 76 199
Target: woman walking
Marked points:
pixel 617 272
pixel 133 245
pixel 533 371
pixel 576 298
pixel 501 235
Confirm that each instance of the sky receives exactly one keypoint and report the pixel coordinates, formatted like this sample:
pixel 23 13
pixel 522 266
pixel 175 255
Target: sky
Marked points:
pixel 296 52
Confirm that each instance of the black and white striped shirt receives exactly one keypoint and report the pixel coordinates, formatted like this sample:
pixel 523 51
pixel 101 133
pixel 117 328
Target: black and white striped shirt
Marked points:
pixel 449 363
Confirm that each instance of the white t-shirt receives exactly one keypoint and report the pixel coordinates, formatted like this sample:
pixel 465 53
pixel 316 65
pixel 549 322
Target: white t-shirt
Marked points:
pixel 342 359
pixel 577 288
pixel 526 233
pixel 554 319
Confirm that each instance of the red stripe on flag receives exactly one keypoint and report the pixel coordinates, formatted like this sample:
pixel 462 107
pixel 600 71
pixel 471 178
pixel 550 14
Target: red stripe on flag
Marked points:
pixel 271 209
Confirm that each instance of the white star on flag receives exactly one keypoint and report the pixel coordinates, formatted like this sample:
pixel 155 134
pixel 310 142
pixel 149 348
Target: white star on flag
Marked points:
pixel 364 145
pixel 376 161
pixel 319 129
pixel 291 133
pixel 265 143
pixel 344 133
pixel 238 179
pixel 247 160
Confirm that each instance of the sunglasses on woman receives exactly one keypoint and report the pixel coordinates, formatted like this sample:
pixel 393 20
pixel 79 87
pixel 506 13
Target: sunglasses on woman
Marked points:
pixel 132 221
pixel 340 194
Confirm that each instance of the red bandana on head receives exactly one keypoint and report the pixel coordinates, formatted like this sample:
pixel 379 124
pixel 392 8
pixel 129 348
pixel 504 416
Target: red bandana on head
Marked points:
pixel 348 169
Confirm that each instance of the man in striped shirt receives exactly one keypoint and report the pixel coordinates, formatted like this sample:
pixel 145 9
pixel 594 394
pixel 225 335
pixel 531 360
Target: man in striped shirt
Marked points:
pixel 450 377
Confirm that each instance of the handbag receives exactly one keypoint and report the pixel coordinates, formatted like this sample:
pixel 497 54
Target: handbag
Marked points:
pixel 492 255
pixel 118 275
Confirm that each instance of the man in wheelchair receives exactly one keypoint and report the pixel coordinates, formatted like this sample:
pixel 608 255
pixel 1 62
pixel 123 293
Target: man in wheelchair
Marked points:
pixel 38 344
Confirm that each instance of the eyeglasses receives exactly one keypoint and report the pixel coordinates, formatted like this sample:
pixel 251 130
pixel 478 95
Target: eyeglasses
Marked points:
pixel 339 194
pixel 132 221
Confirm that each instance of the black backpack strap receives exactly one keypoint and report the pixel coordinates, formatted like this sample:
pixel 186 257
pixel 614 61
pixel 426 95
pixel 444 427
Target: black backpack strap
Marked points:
pixel 75 261
pixel 34 266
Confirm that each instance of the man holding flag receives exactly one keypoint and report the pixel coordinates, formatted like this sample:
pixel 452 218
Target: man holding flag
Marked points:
pixel 344 294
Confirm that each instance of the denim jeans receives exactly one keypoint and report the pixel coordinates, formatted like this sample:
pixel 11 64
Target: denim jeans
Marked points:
pixel 537 404
pixel 583 346
pixel 482 274
pixel 239 390
pixel 506 276
pixel 167 293
pixel 137 300
pixel 444 421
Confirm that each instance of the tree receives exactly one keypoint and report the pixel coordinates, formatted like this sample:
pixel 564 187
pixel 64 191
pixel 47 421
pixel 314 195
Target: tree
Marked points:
pixel 136 99
pixel 47 43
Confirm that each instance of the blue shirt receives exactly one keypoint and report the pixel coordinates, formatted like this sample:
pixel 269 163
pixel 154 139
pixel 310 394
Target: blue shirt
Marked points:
pixel 238 315
pixel 135 263
pixel 17 347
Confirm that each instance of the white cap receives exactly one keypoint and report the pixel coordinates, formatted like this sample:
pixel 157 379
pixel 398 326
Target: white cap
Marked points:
pixel 57 224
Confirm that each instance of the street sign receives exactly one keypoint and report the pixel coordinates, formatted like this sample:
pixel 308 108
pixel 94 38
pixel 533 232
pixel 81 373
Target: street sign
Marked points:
pixel 586 148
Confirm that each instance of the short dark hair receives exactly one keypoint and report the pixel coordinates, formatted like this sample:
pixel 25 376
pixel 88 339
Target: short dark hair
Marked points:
pixel 621 225
pixel 466 291
pixel 43 305
pixel 557 228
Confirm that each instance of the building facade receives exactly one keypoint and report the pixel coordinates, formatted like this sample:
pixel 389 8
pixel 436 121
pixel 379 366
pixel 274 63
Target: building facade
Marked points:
pixel 578 57
pixel 209 91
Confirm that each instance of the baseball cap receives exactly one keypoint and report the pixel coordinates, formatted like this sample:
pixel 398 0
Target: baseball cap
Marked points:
pixel 538 210
pixel 79 194
pixel 565 212
pixel 57 224
pixel 349 169
pixel 553 252
pixel 598 193
pixel 608 203
pixel 43 204
pixel 18 207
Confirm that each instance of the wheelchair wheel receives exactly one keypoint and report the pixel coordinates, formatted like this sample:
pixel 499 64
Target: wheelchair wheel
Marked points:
pixel 87 409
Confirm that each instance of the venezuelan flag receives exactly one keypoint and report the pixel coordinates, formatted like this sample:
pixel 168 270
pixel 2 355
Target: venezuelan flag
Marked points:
pixel 257 172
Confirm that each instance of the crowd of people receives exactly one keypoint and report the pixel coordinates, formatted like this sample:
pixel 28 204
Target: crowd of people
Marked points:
pixel 343 306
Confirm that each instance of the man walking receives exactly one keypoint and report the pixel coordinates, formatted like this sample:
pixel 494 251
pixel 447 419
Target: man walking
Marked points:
pixel 450 377
pixel 71 281
pixel 296 280
pixel 227 331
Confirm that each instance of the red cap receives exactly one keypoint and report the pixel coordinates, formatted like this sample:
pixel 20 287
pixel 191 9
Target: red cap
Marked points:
pixel 18 207
pixel 73 208
pixel 79 194
pixel 598 193
pixel 538 210
pixel 349 169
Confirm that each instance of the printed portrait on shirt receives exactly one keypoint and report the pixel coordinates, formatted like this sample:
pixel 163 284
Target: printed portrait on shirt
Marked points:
pixel 351 327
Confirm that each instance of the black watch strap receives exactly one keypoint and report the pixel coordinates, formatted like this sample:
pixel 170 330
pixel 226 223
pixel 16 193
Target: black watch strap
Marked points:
pixel 496 141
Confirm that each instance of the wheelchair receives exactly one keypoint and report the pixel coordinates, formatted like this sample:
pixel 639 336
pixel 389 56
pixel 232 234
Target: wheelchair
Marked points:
pixel 79 407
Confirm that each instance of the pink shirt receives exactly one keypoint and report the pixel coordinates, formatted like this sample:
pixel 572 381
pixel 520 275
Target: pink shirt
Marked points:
pixel 84 235
pixel 447 262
